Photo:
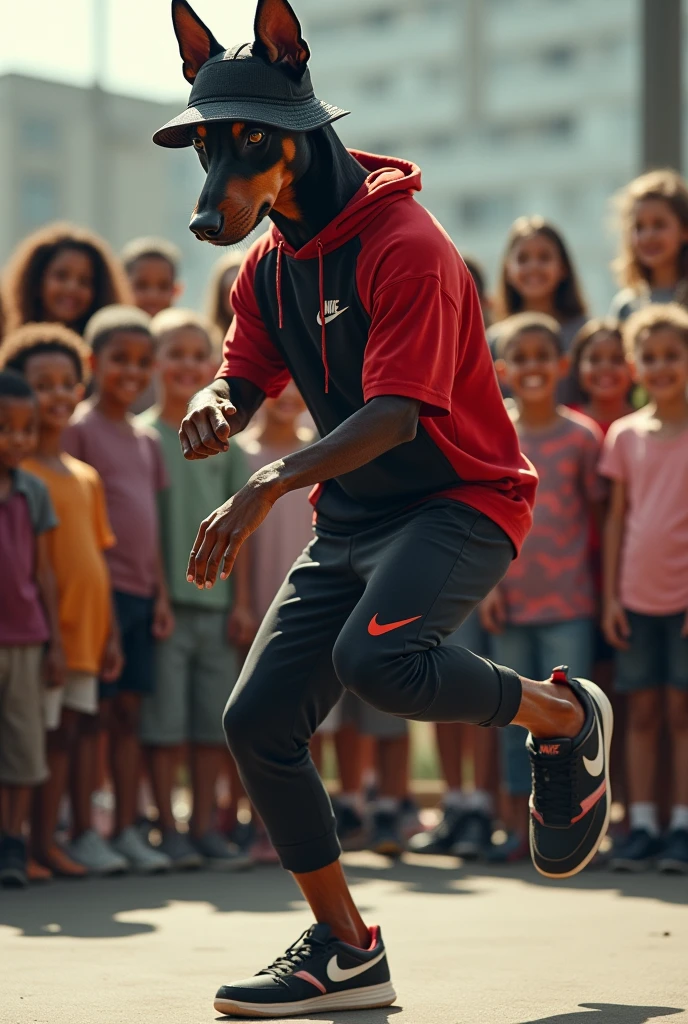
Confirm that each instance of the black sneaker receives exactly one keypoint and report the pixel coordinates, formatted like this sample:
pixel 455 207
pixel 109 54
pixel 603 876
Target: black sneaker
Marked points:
pixel 350 827
pixel 571 799
pixel 442 837
pixel 637 852
pixel 318 973
pixel 674 858
pixel 474 836
pixel 13 862
pixel 385 837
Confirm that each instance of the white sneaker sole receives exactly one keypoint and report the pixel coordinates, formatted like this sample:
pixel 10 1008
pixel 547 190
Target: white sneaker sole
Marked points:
pixel 355 999
pixel 604 707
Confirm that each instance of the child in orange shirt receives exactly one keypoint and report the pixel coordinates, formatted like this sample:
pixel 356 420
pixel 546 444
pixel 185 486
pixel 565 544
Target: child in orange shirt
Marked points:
pixel 53 360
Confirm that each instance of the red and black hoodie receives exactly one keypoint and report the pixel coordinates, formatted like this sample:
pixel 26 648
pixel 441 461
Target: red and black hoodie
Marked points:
pixel 381 303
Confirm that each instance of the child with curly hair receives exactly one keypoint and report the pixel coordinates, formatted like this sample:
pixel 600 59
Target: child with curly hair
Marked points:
pixel 652 265
pixel 63 274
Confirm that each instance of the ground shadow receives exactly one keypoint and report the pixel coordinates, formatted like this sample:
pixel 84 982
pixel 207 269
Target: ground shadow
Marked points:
pixel 380 1016
pixel 89 908
pixel 440 875
pixel 609 1013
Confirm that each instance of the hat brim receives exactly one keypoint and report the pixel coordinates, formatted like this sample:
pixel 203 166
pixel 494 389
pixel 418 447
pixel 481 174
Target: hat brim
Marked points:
pixel 296 117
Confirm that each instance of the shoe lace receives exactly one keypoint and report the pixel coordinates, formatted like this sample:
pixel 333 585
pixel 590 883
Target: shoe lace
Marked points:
pixel 295 956
pixel 554 790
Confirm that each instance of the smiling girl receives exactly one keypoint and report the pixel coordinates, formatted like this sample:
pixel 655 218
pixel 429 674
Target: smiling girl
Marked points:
pixel 653 263
pixel 538 276
pixel 62 274
pixel 601 371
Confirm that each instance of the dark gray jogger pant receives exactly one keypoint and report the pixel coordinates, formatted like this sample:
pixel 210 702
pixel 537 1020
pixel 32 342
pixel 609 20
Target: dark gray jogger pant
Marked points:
pixel 367 611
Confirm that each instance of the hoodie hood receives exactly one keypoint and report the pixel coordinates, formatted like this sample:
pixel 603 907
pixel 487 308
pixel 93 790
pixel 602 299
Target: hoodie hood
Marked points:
pixel 389 179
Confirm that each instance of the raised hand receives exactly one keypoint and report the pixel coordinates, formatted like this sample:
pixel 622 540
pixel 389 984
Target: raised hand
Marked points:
pixel 207 427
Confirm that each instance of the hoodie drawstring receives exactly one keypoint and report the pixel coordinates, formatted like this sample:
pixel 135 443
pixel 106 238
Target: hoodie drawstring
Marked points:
pixel 278 283
pixel 323 329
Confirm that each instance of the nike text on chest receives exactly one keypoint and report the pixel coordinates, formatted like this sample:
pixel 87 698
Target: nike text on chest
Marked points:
pixel 331 311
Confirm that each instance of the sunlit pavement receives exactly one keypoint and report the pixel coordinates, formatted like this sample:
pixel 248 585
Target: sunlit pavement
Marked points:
pixel 466 945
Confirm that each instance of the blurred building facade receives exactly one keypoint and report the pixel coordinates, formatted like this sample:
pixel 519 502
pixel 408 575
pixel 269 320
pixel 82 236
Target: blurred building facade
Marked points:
pixel 509 107
pixel 86 156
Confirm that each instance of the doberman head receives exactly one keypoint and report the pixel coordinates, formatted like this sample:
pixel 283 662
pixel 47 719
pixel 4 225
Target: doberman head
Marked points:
pixel 253 170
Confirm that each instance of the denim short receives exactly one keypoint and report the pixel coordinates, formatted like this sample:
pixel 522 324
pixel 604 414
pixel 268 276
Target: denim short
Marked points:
pixel 533 651
pixel 135 618
pixel 657 654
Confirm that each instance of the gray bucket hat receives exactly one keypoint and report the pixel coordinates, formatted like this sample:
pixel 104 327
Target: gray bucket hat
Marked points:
pixel 236 86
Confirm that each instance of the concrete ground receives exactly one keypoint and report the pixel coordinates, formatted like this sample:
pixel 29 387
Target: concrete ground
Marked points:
pixel 466 945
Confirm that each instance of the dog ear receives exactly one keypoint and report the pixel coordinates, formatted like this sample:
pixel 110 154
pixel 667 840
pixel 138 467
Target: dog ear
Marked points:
pixel 197 44
pixel 278 36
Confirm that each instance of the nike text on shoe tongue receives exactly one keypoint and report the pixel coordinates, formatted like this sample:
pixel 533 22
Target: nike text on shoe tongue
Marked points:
pixel 553 747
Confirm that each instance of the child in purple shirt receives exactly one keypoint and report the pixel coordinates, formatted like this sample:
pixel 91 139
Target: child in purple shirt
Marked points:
pixel 28 622
pixel 129 460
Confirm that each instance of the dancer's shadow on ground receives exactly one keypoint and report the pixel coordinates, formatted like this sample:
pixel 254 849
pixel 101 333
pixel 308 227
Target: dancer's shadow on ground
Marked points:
pixel 608 1013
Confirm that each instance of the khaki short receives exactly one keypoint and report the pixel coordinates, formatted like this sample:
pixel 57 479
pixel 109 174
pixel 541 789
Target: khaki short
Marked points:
pixel 22 732
pixel 196 669
pixel 80 693
pixel 351 710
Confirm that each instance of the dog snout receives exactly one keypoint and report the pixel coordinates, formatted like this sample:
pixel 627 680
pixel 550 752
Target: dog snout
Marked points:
pixel 207 224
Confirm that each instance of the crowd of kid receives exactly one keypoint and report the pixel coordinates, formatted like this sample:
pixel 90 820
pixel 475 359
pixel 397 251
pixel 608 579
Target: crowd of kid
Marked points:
pixel 114 670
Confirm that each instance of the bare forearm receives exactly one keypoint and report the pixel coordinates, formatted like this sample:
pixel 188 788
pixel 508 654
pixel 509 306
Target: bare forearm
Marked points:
pixel 47 587
pixel 379 426
pixel 611 555
pixel 242 577
pixel 161 575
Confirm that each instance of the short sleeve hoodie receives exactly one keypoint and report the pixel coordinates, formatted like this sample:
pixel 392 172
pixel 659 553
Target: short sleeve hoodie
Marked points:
pixel 381 303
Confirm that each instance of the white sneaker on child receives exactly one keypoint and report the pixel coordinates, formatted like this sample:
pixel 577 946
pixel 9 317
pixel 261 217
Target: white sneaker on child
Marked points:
pixel 96 855
pixel 141 857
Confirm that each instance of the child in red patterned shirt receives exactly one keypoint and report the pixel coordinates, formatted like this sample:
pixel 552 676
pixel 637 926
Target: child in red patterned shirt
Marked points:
pixel 543 610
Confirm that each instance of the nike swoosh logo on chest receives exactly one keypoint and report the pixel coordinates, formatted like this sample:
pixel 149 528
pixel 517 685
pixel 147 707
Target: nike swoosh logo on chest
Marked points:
pixel 332 316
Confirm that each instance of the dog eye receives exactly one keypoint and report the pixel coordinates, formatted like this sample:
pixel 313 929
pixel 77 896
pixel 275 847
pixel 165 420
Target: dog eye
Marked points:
pixel 198 143
pixel 255 137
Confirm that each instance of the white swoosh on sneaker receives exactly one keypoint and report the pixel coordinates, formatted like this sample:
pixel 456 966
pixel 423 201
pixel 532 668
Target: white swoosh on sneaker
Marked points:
pixel 332 316
pixel 339 974
pixel 595 766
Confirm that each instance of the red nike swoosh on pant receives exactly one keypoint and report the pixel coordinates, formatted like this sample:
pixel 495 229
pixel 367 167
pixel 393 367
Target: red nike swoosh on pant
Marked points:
pixel 375 629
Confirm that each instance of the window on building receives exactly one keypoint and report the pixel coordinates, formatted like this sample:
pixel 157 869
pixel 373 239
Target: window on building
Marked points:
pixel 38 200
pixel 378 19
pixel 486 211
pixel 559 56
pixel 377 85
pixel 558 127
pixel 38 133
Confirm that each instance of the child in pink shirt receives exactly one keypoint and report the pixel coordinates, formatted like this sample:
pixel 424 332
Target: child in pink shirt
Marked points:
pixel 646 578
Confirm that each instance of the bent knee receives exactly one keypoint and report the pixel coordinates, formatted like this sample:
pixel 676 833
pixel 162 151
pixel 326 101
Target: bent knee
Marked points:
pixel 245 726
pixel 367 674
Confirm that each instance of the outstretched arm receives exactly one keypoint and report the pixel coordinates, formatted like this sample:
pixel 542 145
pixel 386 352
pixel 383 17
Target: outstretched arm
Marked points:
pixel 382 424
pixel 217 413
